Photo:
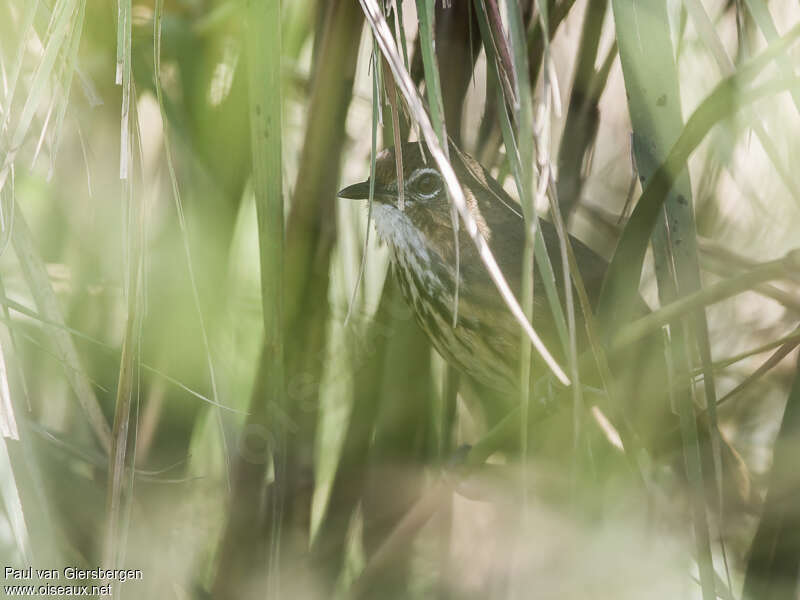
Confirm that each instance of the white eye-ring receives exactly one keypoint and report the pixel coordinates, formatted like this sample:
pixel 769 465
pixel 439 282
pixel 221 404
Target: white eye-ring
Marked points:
pixel 425 183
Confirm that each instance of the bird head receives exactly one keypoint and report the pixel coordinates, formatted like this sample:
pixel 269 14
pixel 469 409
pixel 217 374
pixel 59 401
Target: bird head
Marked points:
pixel 425 216
pixel 424 192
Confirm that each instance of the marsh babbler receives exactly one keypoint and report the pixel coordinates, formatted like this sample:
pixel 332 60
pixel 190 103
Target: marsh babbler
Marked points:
pixel 485 340
pixel 484 343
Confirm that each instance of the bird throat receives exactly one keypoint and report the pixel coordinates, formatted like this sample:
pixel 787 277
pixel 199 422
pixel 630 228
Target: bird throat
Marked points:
pixel 412 250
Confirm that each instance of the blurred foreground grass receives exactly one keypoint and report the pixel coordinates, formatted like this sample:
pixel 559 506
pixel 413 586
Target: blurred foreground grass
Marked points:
pixel 180 391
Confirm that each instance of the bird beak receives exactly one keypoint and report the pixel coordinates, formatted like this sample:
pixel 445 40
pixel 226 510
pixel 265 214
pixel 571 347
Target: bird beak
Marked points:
pixel 360 191
pixel 357 191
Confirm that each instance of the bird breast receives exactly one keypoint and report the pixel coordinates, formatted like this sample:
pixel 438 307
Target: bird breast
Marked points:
pixel 427 283
pixel 411 250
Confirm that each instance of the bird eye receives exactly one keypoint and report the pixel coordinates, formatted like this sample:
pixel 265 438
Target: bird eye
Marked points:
pixel 427 185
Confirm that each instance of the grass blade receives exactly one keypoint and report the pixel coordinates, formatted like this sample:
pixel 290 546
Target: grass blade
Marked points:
pixel 123 448
pixel 775 554
pixel 243 551
pixel 433 89
pixel 61 23
pixel 123 78
pixel 8 422
pixel 176 196
pixel 9 492
pixel 512 152
pixel 620 287
pixel 376 99
pixel 763 19
pixel 48 305
pixel 704 25
pixel 389 49
pixel 656 119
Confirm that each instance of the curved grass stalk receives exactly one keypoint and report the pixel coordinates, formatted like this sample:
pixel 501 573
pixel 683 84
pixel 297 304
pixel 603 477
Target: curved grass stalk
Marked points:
pixel 776 269
pixel 389 49
pixel 789 344
pixel 732 360
pixel 622 279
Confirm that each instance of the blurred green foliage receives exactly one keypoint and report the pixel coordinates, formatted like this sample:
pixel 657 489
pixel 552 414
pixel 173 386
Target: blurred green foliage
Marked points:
pixel 350 475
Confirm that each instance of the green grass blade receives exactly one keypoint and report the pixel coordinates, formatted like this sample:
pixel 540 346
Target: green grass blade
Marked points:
pixel 524 117
pixel 8 421
pixel 265 119
pixel 433 89
pixel 176 196
pixel 61 23
pixel 119 495
pixel 432 86
pixel 651 80
pixel 245 552
pixel 621 284
pixel 763 19
pixel 512 152
pixel 68 71
pixel 376 100
pixel 9 492
pixel 709 35
pixel 25 31
pixel 39 283
pixel 774 556
pixel 401 32
pixel 123 78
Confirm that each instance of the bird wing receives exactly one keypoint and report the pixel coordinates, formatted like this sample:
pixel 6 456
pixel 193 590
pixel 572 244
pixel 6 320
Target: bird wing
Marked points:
pixel 507 242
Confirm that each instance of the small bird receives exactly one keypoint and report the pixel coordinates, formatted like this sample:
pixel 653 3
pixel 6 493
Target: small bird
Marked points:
pixel 485 341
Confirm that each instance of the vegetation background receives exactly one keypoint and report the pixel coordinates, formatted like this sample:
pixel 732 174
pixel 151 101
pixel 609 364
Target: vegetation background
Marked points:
pixel 197 380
